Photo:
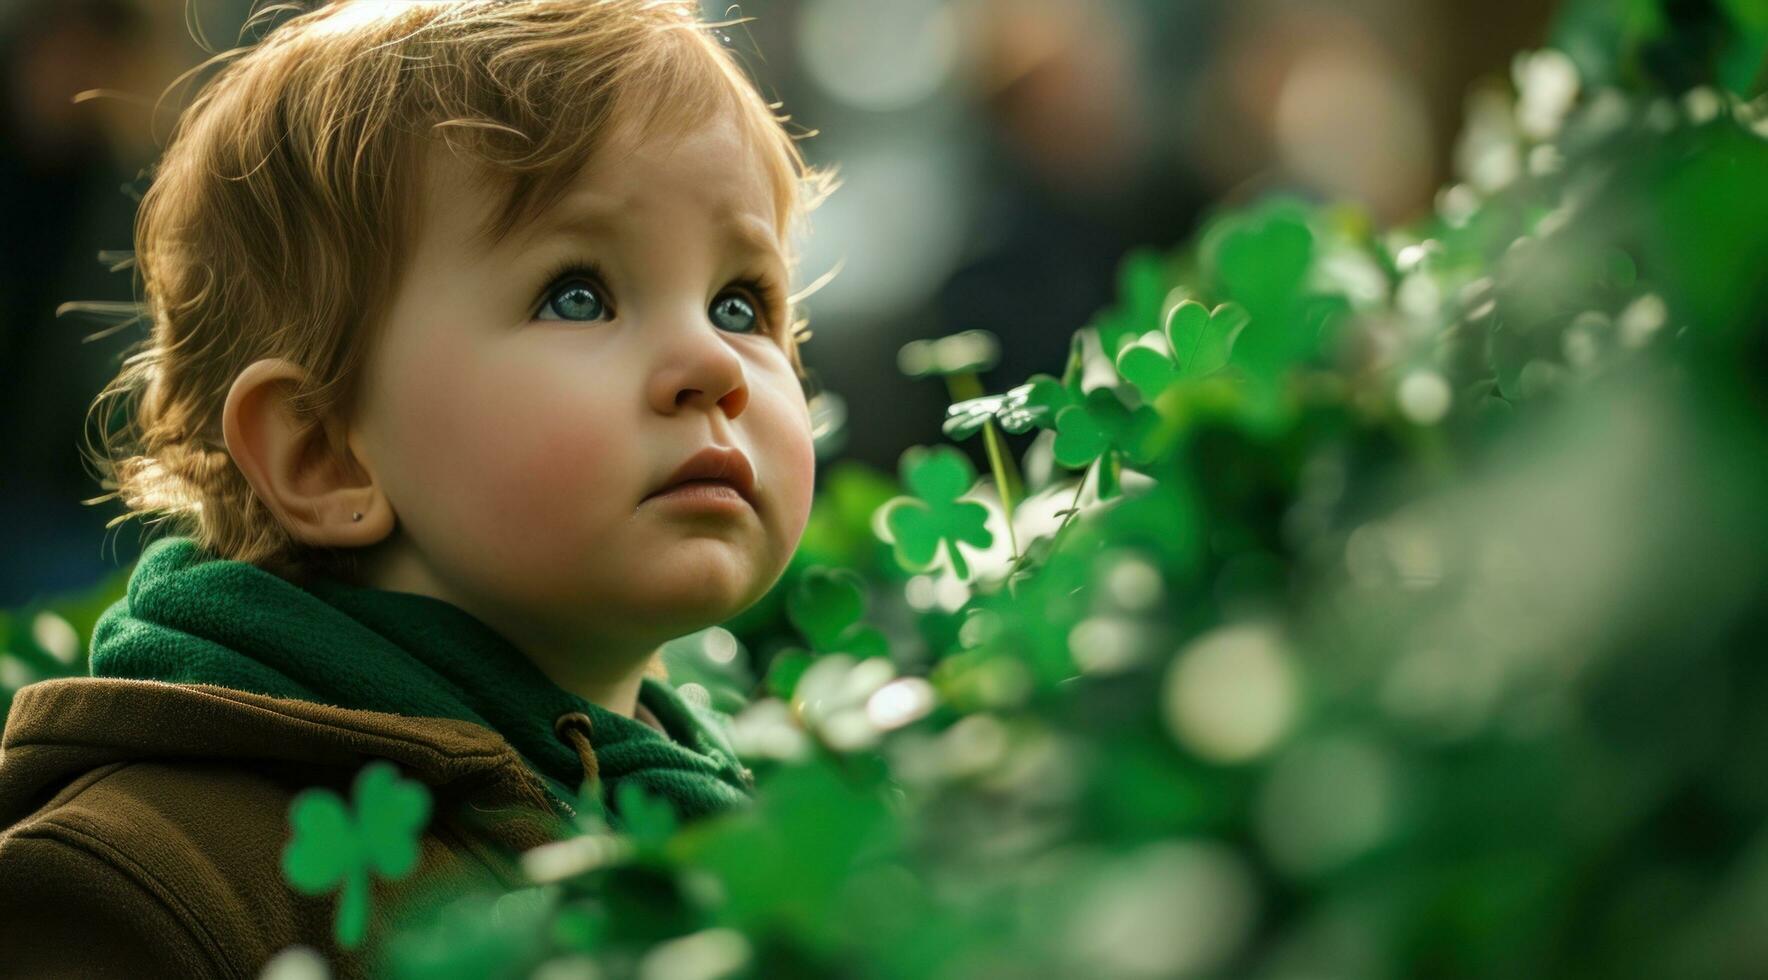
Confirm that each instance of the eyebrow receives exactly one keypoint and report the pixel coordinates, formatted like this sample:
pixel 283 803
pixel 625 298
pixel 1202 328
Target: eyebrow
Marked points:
pixel 586 218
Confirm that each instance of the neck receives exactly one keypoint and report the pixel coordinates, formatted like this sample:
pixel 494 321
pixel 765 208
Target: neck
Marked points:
pixel 604 672
pixel 615 689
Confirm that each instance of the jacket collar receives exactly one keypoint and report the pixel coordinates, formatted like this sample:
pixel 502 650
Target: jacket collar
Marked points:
pixel 57 730
pixel 191 618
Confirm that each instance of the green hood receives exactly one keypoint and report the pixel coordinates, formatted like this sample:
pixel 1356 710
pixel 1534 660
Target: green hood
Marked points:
pixel 192 618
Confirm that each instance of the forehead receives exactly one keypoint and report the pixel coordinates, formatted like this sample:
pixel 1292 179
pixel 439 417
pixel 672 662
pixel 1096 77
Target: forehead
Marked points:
pixel 710 167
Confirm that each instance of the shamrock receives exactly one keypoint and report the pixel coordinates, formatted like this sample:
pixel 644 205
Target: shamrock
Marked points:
pixel 1102 429
pixel 827 606
pixel 329 848
pixel 937 476
pixel 1199 341
pixel 1262 260
pixel 966 418
pixel 1035 403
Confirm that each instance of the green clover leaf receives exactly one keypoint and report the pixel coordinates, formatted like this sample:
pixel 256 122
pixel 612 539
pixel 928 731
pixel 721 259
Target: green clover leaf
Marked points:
pixel 1262 261
pixel 784 671
pixel 1263 258
pixel 1032 404
pixel 1196 342
pixel 1145 363
pixel 1203 340
pixel 935 514
pixel 1102 429
pixel 649 819
pixel 966 418
pixel 1036 403
pixel 1142 288
pixel 827 606
pixel 329 849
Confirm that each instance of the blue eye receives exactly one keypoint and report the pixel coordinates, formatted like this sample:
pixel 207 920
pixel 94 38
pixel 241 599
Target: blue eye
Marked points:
pixel 740 310
pixel 574 301
pixel 576 295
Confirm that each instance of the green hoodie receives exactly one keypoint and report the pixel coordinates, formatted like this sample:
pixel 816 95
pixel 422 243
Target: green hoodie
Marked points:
pixel 191 618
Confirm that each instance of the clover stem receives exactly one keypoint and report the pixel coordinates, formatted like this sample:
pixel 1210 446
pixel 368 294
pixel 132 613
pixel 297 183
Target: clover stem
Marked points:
pixel 1073 511
pixel 995 455
pixel 353 909
pixel 1056 538
pixel 960 567
pixel 964 387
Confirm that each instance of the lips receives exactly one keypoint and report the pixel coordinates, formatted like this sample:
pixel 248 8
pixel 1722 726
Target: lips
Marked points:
pixel 719 463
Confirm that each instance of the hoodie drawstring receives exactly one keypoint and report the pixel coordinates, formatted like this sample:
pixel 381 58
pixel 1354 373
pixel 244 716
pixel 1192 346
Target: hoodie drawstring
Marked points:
pixel 574 727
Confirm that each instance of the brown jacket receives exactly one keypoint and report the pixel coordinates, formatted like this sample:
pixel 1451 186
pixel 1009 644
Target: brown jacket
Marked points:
pixel 142 824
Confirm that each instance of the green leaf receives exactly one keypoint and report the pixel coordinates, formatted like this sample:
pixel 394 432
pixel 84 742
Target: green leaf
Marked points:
pixel 915 530
pixel 391 814
pixel 1196 342
pixel 1743 64
pixel 1142 289
pixel 650 820
pixel 1075 370
pixel 1035 403
pixel 966 418
pixel 864 641
pixel 1079 439
pixel 330 848
pixel 784 671
pixel 1144 363
pixel 1202 340
pixel 323 849
pixel 825 604
pixel 940 475
pixel 1263 260
pixel 919 524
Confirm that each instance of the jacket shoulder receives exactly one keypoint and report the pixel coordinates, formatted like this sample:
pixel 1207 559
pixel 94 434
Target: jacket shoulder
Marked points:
pixel 191 850
pixel 183 857
pixel 73 903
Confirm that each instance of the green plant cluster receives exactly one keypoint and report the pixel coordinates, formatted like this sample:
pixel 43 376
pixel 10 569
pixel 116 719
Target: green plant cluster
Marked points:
pixel 1372 603
pixel 1365 603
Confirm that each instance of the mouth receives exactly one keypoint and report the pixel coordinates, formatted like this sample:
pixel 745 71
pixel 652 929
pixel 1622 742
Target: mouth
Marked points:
pixel 715 474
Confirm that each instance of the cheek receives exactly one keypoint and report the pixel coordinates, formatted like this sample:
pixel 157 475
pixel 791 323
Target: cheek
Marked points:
pixel 512 458
pixel 798 474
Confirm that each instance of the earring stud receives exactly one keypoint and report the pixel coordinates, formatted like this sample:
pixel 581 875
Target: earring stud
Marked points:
pixel 356 517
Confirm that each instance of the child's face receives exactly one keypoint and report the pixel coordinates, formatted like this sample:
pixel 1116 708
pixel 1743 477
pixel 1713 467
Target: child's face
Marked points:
pixel 517 423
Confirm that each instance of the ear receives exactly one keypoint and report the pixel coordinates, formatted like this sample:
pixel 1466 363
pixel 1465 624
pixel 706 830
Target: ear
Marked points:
pixel 294 468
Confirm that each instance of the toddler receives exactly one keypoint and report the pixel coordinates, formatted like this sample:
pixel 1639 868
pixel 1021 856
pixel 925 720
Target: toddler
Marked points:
pixel 472 379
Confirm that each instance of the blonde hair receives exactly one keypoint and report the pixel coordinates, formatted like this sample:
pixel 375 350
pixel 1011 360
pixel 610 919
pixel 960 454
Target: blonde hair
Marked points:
pixel 279 210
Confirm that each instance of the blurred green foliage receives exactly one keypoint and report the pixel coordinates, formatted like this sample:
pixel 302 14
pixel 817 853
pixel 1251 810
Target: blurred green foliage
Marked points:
pixel 1403 623
pixel 337 847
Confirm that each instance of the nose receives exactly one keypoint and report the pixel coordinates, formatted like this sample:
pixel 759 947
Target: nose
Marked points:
pixel 697 369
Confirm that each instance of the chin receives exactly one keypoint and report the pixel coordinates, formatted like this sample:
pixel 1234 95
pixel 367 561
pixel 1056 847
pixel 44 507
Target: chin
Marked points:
pixel 700 604
pixel 691 593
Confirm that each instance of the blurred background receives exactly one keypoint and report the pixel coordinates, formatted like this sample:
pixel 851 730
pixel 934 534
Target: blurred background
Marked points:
pixel 999 158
